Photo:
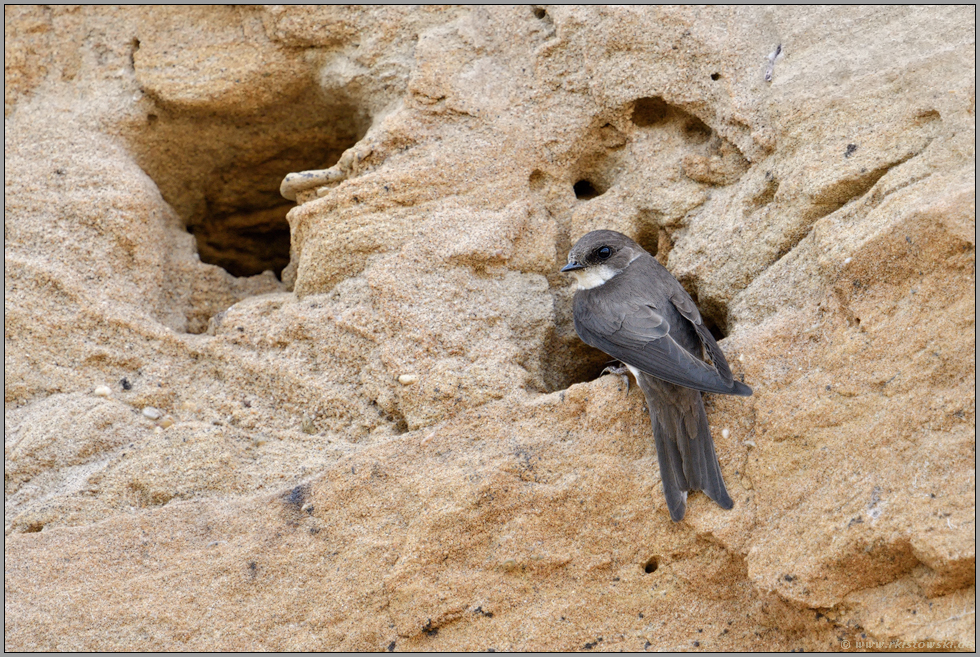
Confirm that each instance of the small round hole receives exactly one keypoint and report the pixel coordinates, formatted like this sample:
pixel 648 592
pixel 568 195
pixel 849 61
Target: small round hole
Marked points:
pixel 716 76
pixel 585 190
pixel 539 13
pixel 651 565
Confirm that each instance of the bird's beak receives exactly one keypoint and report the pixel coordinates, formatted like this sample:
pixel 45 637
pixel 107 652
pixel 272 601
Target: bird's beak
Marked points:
pixel 572 266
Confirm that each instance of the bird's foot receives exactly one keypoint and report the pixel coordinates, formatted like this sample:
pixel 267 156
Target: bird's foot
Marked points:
pixel 620 370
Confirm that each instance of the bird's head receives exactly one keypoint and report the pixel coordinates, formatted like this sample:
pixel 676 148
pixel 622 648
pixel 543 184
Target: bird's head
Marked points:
pixel 599 256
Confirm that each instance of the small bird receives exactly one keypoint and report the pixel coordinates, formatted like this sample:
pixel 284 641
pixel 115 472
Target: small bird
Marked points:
pixel 629 306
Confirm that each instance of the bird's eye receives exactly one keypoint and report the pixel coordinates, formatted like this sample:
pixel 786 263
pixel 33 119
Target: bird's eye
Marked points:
pixel 603 253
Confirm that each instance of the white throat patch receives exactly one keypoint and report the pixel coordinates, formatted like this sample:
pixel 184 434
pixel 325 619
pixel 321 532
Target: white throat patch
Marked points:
pixel 593 276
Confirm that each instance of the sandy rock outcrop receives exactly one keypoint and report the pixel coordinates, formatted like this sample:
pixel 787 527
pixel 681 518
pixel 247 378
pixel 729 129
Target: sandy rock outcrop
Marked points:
pixel 288 364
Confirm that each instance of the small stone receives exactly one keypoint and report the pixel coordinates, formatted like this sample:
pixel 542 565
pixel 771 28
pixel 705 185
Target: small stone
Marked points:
pixel 847 261
pixel 407 379
pixel 102 391
pixel 152 413
pixel 725 433
pixel 166 422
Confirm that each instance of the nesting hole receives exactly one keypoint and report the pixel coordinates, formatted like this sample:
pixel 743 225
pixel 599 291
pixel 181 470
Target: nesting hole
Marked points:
pixel 716 76
pixel 585 190
pixel 539 13
pixel 651 565
pixel 566 360
pixel 221 172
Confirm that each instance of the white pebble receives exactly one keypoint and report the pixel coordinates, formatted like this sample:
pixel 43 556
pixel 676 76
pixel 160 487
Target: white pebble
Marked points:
pixel 407 379
pixel 725 433
pixel 847 261
pixel 741 358
pixel 152 413
pixel 102 391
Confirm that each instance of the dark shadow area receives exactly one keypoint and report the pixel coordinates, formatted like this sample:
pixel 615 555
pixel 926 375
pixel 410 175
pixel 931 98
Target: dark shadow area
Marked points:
pixel 567 360
pixel 245 244
pixel 710 160
pixel 717 331
pixel 568 364
pixel 696 130
pixel 585 190
pixel 713 314
pixel 654 111
pixel 648 236
pixel 650 111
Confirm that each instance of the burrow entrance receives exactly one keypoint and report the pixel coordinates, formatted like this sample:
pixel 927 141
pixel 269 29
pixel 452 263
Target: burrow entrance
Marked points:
pixel 221 173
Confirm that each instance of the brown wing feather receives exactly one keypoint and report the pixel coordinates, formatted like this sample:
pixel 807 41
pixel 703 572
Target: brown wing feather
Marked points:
pixel 647 320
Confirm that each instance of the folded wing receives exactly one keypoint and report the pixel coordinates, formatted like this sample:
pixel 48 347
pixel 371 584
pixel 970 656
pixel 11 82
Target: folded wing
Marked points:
pixel 635 332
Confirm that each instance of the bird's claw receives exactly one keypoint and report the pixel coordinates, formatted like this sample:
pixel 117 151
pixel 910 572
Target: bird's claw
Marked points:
pixel 620 370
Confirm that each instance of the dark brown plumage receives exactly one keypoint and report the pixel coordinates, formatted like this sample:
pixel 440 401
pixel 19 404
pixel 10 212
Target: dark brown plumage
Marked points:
pixel 629 306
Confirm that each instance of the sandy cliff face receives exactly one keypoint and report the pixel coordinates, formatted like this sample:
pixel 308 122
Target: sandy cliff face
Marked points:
pixel 395 440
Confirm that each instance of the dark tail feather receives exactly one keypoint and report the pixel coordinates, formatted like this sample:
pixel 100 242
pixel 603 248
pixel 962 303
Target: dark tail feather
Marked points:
pixel 685 449
pixel 704 461
pixel 671 466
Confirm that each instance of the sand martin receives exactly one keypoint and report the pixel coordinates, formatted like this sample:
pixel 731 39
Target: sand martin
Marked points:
pixel 629 306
